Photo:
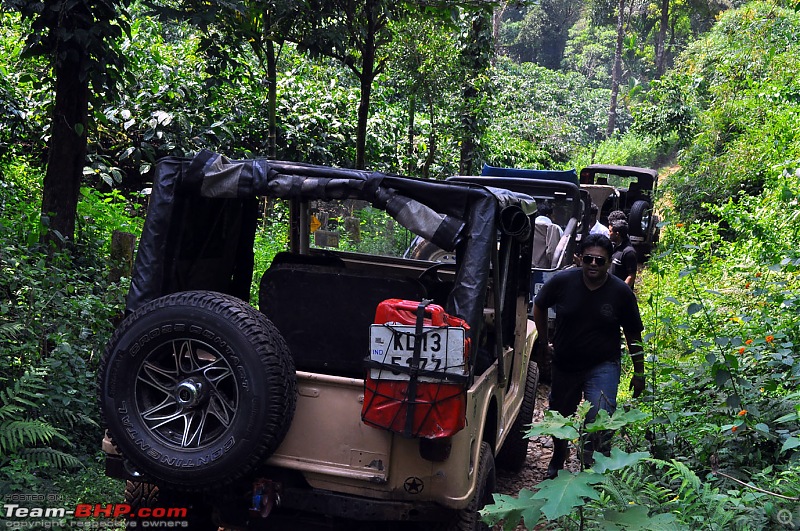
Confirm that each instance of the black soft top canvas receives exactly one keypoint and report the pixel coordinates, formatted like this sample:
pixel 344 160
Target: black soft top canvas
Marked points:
pixel 209 193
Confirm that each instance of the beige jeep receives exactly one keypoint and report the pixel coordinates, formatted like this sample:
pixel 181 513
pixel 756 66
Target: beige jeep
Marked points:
pixel 357 387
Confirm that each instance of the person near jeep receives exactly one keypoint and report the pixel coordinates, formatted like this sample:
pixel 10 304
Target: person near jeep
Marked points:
pixel 624 261
pixel 594 222
pixel 546 236
pixel 591 307
pixel 615 215
pixel 544 216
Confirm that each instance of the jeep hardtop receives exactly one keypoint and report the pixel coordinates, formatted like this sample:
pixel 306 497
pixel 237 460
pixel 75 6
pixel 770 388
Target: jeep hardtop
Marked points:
pixel 630 189
pixel 356 386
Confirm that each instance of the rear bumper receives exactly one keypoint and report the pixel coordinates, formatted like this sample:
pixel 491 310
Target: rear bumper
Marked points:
pixel 364 509
pixel 322 502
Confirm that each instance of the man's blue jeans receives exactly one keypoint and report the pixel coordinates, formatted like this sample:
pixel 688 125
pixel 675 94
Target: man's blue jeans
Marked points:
pixel 598 385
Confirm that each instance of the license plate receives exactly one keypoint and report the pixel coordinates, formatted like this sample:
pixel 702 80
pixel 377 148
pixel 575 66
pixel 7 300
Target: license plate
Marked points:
pixel 442 351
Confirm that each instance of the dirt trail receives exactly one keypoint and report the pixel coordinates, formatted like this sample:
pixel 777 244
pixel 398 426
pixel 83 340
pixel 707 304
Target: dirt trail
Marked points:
pixel 540 449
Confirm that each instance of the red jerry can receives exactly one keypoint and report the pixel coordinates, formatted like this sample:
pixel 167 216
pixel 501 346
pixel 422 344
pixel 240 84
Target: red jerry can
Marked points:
pixel 418 370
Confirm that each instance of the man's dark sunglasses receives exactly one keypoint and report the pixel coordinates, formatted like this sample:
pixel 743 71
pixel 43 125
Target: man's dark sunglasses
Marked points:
pixel 599 260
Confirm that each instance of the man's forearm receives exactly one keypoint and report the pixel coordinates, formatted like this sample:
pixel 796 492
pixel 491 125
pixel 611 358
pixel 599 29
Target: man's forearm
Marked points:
pixel 637 357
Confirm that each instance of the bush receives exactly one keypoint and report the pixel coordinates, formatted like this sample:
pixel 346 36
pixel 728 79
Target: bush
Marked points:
pixel 743 92
pixel 629 149
pixel 61 307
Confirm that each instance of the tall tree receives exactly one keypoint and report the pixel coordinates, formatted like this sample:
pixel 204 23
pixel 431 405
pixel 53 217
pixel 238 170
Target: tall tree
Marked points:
pixel 426 71
pixel 78 37
pixel 356 32
pixel 616 71
pixel 661 39
pixel 476 56
pixel 497 21
pixel 544 31
pixel 262 26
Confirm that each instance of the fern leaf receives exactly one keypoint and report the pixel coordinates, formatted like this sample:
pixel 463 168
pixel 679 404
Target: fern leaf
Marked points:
pixel 10 410
pixel 38 457
pixel 25 390
pixel 16 434
pixel 10 330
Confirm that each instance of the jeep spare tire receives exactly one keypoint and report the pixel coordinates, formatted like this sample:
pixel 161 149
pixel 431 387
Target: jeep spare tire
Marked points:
pixel 196 389
pixel 639 218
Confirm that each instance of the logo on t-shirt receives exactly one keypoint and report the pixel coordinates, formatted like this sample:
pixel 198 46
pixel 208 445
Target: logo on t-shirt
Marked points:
pixel 607 310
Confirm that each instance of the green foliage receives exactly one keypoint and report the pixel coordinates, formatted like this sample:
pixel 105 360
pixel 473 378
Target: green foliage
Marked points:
pixel 540 37
pixel 555 425
pixel 170 108
pixel 556 500
pixel 425 75
pixel 590 52
pixel 720 302
pixel 629 149
pixel 720 299
pixel 566 492
pixel 617 459
pixel 510 510
pixel 679 498
pixel 542 116
pixel 58 311
pixel 91 485
pixel 24 94
pixel 88 35
pixel 665 111
pixel 24 439
pixel 743 336
pixel 272 237
pixel 315 124
pixel 737 88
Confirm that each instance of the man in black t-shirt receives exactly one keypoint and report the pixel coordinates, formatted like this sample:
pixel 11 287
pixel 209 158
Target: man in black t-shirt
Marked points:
pixel 591 306
pixel 624 260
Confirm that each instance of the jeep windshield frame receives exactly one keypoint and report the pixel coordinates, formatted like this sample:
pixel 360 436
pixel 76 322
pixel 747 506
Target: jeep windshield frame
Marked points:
pixel 646 177
pixel 191 196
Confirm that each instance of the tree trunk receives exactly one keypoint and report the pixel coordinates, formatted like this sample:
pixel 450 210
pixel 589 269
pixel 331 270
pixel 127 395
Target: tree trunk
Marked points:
pixel 366 77
pixel 363 113
pixel 616 71
pixel 426 168
pixel 272 100
pixel 661 40
pixel 497 21
pixel 475 60
pixel 412 105
pixel 468 125
pixel 123 250
pixel 67 150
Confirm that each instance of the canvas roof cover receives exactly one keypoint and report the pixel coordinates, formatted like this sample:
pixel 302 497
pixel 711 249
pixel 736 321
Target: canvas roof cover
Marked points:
pixel 448 214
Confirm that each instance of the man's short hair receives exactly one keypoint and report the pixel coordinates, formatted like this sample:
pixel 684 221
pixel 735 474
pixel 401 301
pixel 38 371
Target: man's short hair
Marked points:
pixel 593 209
pixel 615 215
pixel 597 240
pixel 544 209
pixel 620 226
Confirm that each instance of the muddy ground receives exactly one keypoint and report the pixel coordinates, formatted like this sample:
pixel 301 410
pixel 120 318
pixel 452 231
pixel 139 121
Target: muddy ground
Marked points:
pixel 540 449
